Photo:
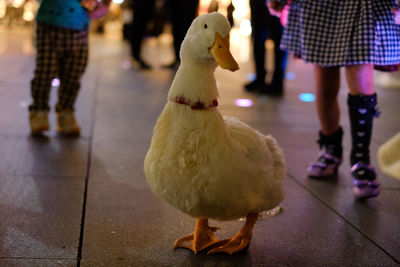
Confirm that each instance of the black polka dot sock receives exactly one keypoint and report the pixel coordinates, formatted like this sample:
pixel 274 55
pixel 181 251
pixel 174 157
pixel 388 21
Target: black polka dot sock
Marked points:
pixel 362 110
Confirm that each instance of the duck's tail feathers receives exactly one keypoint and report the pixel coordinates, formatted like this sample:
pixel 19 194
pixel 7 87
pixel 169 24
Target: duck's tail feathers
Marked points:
pixel 278 157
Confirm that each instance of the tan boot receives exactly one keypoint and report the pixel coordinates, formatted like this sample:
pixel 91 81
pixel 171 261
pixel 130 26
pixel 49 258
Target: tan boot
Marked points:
pixel 39 122
pixel 66 123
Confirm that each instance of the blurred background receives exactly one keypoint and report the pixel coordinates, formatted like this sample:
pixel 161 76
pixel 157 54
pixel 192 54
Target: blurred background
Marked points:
pixel 17 29
pixel 19 15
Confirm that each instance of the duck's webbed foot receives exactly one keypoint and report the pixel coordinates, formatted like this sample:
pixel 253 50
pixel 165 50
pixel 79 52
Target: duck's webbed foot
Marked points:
pixel 201 238
pixel 240 241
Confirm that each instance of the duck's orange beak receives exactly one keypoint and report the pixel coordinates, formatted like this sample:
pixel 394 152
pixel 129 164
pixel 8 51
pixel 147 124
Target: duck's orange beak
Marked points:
pixel 220 51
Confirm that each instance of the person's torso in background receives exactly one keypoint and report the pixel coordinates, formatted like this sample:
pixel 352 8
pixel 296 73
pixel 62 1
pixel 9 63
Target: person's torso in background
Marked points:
pixel 63 13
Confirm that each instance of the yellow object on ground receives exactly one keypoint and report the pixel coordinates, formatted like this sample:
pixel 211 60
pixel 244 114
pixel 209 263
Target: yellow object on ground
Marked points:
pixel 389 156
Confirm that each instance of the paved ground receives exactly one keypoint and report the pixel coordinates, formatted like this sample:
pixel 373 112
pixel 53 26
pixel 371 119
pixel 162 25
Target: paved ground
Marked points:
pixel 85 201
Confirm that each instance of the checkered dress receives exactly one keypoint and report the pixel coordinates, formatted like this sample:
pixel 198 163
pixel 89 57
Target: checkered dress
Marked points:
pixel 343 32
pixel 61 53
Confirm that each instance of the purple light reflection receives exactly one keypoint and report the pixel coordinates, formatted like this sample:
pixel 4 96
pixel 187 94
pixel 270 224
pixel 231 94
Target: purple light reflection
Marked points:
pixel 242 102
pixel 290 76
pixel 55 82
pixel 126 65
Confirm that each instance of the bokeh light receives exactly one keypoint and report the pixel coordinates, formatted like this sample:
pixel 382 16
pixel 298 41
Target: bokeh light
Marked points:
pixel 251 77
pixel 55 82
pixel 290 75
pixel 307 97
pixel 245 27
pixel 126 65
pixel 243 102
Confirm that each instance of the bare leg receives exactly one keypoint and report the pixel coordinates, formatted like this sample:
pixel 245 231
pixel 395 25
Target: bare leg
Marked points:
pixel 201 238
pixel 360 79
pixel 239 241
pixel 327 88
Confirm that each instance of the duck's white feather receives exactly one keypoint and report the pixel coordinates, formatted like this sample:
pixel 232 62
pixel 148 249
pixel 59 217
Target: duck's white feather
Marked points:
pixel 213 167
pixel 206 165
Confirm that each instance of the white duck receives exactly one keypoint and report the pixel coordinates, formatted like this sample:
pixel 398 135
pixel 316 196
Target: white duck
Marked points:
pixel 206 165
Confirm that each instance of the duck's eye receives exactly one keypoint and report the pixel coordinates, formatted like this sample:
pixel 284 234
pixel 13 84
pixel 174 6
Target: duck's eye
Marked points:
pixel 205 26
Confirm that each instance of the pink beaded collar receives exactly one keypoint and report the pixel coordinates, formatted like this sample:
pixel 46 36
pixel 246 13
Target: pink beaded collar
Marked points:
pixel 196 106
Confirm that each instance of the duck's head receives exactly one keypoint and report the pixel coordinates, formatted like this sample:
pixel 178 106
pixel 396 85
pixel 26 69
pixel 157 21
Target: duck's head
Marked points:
pixel 207 40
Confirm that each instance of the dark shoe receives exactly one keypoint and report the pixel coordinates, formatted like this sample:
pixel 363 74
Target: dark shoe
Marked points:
pixel 140 64
pixel 273 90
pixel 364 181
pixel 325 166
pixel 255 87
pixel 330 156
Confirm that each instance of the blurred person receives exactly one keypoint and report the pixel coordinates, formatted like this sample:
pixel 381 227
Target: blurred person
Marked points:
pixel 265 26
pixel 156 27
pixel 182 12
pixel 229 13
pixel 356 35
pixel 142 13
pixel 126 18
pixel 61 51
pixel 213 6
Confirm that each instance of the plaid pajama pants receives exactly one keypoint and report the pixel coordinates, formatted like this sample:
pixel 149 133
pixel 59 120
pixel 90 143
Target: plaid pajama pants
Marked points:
pixel 61 53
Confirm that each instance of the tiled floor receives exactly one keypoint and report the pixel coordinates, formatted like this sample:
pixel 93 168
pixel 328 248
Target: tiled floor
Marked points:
pixel 85 201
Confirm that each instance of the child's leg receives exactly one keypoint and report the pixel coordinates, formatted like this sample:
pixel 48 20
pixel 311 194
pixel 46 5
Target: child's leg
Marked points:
pixel 327 81
pixel 330 137
pixel 45 70
pixel 362 101
pixel 72 68
pixel 360 79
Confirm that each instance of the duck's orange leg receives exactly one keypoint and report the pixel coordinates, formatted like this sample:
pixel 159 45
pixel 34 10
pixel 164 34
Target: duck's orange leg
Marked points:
pixel 201 238
pixel 239 241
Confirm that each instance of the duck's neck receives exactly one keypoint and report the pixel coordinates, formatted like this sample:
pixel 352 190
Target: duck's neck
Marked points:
pixel 195 83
